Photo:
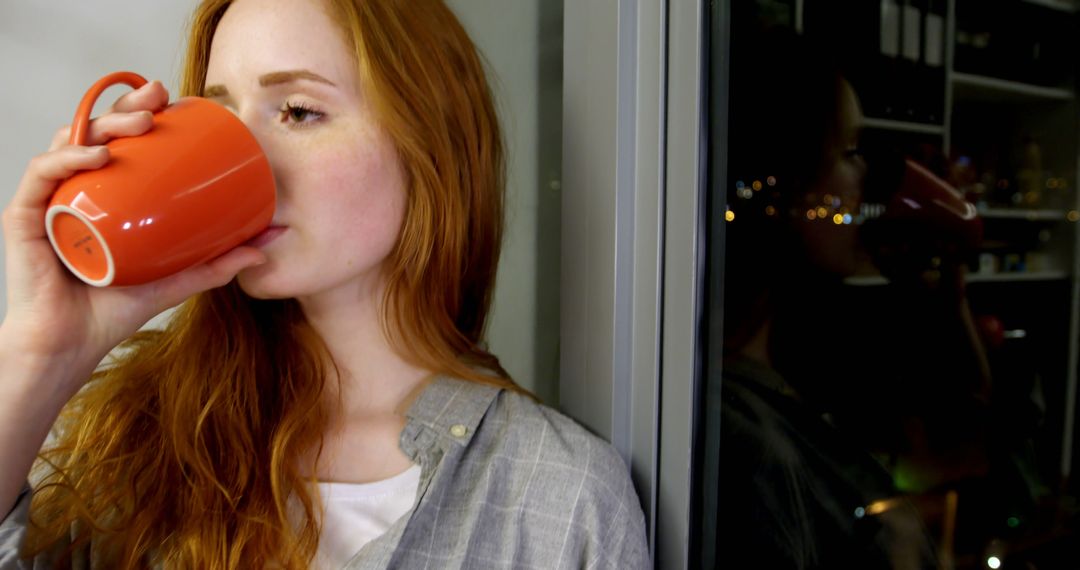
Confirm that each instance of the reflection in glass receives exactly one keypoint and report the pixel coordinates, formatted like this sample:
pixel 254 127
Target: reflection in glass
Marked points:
pixel 895 382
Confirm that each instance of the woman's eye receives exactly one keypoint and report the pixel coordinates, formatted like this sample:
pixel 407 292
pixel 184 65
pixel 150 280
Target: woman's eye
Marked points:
pixel 853 152
pixel 299 114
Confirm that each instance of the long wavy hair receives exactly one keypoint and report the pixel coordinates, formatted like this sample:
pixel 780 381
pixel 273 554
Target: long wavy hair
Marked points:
pixel 184 449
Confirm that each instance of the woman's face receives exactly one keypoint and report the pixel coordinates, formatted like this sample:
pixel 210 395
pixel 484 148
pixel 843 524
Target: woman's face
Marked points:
pixel 832 246
pixel 284 68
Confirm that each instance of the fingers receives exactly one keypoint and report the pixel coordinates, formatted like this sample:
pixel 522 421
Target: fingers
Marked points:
pixel 150 97
pixel 131 115
pixel 42 176
pixel 172 290
pixel 109 127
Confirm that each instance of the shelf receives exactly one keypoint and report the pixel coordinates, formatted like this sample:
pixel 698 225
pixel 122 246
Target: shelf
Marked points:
pixel 1061 5
pixel 970 87
pixel 1031 276
pixel 1022 214
pixel 866 281
pixel 902 126
pixel 1016 277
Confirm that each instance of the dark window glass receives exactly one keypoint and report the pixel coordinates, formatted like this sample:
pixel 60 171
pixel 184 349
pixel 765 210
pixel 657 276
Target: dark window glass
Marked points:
pixel 895 384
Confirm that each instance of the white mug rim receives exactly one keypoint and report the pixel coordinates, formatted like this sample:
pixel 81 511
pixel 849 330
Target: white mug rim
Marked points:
pixel 110 273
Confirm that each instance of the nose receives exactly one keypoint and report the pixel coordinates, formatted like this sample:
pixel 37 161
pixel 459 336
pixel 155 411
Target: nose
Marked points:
pixel 861 168
pixel 247 116
pixel 260 129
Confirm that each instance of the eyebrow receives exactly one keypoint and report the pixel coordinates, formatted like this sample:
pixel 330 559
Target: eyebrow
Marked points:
pixel 275 78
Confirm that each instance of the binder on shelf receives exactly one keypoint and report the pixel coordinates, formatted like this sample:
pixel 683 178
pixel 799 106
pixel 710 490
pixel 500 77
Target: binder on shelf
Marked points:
pixel 910 74
pixel 934 61
pixel 889 66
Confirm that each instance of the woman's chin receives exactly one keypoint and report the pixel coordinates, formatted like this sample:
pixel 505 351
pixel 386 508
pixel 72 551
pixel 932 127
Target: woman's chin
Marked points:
pixel 257 283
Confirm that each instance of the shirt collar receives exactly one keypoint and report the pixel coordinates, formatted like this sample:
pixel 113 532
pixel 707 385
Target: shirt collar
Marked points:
pixel 452 408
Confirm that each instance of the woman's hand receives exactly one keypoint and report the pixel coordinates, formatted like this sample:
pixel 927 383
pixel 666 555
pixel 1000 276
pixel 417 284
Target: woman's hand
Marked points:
pixel 51 315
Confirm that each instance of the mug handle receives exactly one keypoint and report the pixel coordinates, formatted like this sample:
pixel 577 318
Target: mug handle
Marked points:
pixel 80 126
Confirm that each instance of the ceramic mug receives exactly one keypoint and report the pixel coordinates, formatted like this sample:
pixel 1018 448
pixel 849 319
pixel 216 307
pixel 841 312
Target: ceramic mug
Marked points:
pixel 926 221
pixel 194 186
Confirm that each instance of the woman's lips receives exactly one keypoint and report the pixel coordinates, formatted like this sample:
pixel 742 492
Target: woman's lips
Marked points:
pixel 268 235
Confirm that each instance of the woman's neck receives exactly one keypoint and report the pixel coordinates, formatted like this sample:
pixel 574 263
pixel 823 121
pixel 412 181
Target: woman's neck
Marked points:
pixel 375 378
pixel 757 347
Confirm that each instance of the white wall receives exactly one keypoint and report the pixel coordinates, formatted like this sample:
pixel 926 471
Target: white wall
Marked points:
pixel 51 52
pixel 522 42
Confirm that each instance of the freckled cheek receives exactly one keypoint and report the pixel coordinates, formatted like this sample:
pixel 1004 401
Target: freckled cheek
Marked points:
pixel 854 183
pixel 360 195
pixel 845 182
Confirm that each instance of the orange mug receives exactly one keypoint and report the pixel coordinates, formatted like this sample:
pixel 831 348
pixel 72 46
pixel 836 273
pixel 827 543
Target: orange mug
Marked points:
pixel 925 219
pixel 194 186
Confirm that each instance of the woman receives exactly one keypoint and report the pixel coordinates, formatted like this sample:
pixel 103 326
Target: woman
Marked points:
pixel 339 355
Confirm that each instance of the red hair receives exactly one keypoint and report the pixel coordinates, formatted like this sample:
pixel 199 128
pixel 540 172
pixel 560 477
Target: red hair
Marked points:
pixel 185 449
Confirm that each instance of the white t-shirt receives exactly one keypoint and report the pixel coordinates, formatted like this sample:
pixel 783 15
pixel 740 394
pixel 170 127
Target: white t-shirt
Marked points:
pixel 358 513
